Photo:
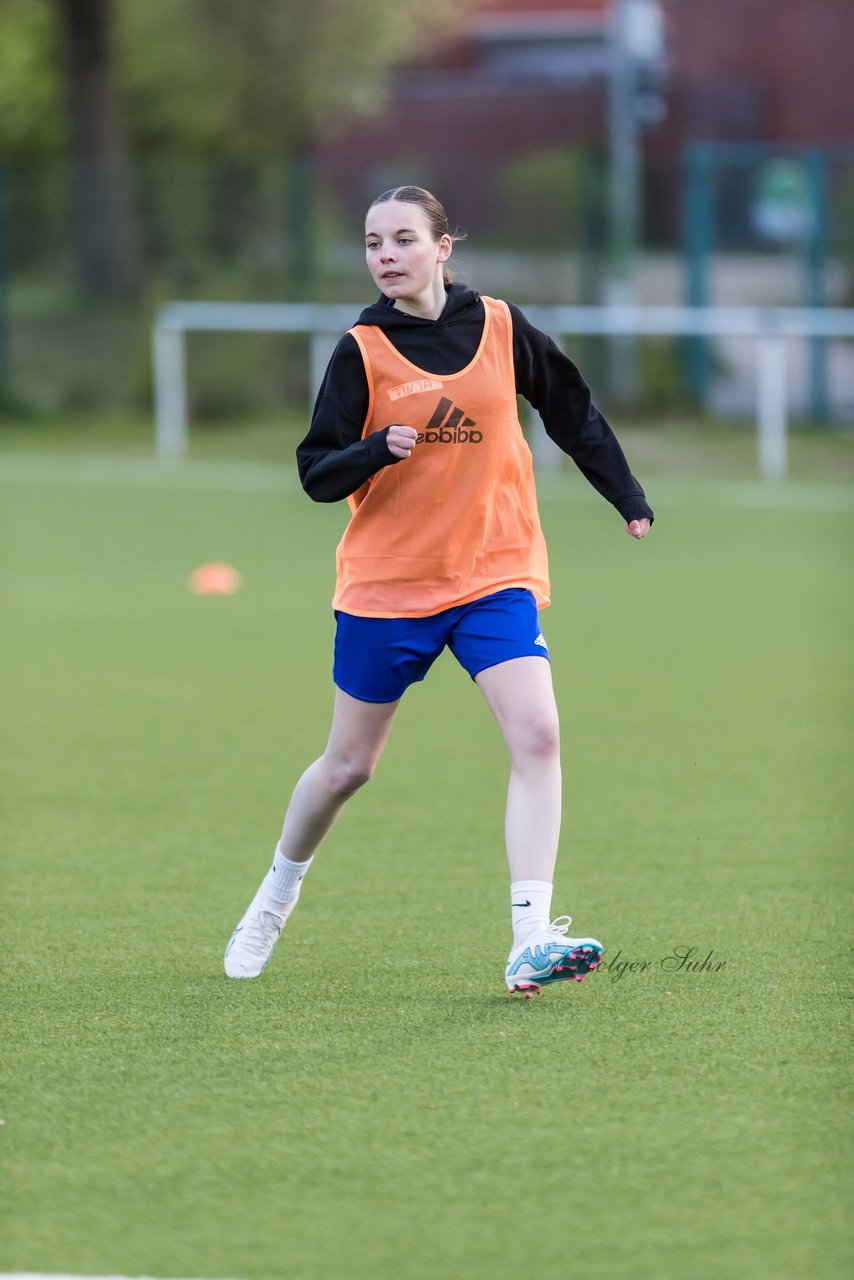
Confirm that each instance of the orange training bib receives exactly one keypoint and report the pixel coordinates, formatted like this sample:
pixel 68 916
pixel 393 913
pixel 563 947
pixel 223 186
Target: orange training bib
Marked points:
pixel 458 519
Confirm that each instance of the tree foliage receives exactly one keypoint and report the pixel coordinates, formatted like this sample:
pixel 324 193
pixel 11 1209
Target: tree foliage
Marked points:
pixel 31 114
pixel 235 80
pixel 232 77
pixel 257 77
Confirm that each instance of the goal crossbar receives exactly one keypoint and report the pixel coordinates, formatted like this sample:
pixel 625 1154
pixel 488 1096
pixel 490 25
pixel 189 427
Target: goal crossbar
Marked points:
pixel 770 327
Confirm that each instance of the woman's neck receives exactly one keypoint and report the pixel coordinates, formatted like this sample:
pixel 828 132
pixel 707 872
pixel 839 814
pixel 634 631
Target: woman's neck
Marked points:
pixel 427 305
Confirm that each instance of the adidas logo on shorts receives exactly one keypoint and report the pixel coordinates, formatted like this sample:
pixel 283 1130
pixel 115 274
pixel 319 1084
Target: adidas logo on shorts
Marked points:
pixel 541 640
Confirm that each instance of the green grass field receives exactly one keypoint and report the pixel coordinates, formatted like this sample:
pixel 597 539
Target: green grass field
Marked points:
pixel 376 1107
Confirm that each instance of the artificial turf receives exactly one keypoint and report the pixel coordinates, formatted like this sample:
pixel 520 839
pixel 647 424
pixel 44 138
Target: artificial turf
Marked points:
pixel 376 1107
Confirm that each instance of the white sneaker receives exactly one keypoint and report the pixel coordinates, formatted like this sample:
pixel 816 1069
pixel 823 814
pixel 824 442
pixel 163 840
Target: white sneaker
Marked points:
pixel 251 945
pixel 550 956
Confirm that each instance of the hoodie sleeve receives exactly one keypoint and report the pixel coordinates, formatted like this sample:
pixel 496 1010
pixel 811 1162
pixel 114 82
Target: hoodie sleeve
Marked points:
pixel 333 460
pixel 552 384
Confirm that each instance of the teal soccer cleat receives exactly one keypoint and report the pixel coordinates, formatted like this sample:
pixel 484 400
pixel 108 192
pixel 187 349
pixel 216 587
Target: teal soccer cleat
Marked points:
pixel 550 956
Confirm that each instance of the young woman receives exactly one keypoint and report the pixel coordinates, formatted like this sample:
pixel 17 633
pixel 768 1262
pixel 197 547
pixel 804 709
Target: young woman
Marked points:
pixel 416 426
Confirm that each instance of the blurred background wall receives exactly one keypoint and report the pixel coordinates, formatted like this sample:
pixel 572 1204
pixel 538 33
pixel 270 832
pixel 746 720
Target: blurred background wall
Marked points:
pixel 661 150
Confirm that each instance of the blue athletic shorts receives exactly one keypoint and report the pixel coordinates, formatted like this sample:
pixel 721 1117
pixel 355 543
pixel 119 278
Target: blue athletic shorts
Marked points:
pixel 377 659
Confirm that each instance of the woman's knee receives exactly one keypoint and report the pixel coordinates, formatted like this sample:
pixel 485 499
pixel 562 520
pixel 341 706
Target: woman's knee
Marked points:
pixel 346 774
pixel 537 739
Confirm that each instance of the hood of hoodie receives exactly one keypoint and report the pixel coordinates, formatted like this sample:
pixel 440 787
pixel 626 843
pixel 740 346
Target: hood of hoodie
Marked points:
pixel 440 346
pixel 460 301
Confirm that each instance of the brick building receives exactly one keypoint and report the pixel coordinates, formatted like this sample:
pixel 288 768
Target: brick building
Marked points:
pixel 528 77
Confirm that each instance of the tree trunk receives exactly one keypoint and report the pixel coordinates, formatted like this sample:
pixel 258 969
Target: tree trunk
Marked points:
pixel 105 231
pixel 302 217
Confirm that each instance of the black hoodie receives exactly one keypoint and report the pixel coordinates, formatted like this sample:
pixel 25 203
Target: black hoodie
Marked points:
pixel 334 461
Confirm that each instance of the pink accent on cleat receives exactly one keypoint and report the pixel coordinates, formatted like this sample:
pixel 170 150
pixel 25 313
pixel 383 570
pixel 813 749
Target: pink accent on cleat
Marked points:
pixel 546 959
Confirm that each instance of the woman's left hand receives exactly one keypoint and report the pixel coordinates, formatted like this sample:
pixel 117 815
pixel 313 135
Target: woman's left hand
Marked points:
pixel 637 528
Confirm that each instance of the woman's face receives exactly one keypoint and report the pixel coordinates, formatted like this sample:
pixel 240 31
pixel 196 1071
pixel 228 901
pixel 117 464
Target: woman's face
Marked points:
pixel 403 258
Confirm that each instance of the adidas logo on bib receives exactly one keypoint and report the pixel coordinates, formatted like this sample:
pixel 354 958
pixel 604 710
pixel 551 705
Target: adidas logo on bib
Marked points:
pixel 449 425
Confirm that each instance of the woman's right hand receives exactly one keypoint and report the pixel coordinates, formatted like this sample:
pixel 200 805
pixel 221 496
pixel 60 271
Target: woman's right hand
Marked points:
pixel 401 440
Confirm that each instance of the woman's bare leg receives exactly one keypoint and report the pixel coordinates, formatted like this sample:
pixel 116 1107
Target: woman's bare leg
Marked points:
pixel 521 697
pixel 359 733
pixel 356 740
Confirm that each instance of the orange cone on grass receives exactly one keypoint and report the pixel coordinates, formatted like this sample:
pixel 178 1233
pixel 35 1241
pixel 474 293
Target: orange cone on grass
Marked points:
pixel 215 579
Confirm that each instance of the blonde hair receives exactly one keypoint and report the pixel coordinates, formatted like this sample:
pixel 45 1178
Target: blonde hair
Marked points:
pixel 434 210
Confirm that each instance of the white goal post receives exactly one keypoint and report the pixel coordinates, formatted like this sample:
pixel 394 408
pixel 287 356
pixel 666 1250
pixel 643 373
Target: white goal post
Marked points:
pixel 770 328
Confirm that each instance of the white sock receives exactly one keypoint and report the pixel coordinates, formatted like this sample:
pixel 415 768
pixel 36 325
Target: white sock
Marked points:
pixel 530 908
pixel 284 879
